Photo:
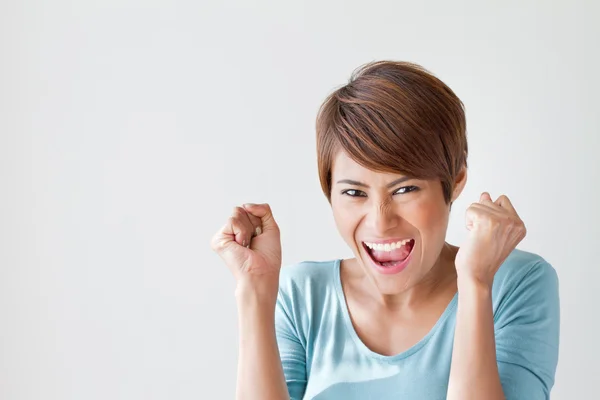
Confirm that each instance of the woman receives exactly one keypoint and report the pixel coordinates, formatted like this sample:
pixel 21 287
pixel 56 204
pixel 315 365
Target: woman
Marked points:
pixel 410 316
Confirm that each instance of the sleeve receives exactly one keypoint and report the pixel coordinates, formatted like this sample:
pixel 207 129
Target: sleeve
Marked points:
pixel 527 335
pixel 291 349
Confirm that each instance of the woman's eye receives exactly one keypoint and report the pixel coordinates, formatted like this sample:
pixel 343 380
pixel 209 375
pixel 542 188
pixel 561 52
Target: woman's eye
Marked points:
pixel 352 192
pixel 407 189
pixel 359 193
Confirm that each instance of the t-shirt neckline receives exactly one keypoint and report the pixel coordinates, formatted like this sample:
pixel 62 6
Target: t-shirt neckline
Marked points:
pixel 361 345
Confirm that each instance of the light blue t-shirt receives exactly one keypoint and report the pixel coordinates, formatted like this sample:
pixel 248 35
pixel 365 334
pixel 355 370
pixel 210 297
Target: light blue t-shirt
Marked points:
pixel 324 359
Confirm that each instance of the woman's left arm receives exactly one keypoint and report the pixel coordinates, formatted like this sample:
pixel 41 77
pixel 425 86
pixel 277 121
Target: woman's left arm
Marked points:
pixel 495 229
pixel 474 369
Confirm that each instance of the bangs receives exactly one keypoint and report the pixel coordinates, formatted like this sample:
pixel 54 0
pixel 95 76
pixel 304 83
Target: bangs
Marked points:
pixel 394 117
pixel 379 144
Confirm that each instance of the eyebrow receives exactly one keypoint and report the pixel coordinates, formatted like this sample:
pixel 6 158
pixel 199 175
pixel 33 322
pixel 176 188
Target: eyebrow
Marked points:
pixel 389 185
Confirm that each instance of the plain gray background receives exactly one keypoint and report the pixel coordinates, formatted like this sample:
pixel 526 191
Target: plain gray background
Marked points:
pixel 130 129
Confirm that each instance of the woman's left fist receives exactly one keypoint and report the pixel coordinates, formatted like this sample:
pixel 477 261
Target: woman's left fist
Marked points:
pixel 495 229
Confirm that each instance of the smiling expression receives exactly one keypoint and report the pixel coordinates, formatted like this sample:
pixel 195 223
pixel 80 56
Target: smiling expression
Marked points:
pixel 376 207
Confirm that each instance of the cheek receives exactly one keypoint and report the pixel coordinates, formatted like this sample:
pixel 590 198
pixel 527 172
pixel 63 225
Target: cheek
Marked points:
pixel 345 222
pixel 429 217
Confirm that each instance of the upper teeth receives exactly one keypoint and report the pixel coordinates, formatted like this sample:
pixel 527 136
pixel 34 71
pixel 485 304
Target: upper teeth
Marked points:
pixel 387 246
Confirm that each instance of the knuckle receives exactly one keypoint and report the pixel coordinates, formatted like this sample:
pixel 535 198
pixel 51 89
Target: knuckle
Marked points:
pixel 515 222
pixel 475 208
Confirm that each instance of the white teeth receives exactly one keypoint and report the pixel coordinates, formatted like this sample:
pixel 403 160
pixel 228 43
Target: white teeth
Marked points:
pixel 387 246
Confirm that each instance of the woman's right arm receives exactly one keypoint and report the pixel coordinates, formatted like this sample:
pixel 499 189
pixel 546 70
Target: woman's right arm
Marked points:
pixel 250 245
pixel 260 373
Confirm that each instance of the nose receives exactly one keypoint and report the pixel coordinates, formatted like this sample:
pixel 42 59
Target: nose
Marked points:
pixel 382 218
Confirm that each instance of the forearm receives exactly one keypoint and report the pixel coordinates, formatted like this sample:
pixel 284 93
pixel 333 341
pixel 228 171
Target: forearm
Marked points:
pixel 474 369
pixel 260 374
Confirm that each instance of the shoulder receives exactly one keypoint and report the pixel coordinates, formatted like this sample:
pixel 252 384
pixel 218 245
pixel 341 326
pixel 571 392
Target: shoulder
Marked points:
pixel 306 277
pixel 521 267
pixel 306 291
pixel 525 279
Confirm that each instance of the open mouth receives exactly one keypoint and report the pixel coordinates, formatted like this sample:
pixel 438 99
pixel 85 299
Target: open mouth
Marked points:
pixel 389 255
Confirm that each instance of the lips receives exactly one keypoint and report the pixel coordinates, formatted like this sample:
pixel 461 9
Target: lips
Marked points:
pixel 393 254
pixel 398 259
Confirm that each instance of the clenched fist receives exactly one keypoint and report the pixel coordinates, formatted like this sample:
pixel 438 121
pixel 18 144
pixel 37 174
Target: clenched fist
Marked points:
pixel 495 229
pixel 250 245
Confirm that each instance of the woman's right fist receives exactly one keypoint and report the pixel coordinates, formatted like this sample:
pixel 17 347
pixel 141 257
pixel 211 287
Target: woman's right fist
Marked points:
pixel 250 243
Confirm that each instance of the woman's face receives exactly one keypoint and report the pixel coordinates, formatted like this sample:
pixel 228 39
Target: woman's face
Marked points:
pixel 410 209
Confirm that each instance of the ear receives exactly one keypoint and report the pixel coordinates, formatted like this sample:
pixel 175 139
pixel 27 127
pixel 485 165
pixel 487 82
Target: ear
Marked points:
pixel 459 183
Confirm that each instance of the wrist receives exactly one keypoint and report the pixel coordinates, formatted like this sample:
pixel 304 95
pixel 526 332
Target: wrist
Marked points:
pixel 471 284
pixel 261 289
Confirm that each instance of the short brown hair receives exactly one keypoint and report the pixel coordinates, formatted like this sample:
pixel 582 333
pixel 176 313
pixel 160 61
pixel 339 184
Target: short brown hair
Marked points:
pixel 395 117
